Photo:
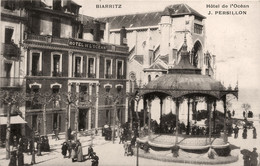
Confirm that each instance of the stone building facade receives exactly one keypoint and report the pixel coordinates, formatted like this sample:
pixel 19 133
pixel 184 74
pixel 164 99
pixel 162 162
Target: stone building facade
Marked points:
pixel 155 42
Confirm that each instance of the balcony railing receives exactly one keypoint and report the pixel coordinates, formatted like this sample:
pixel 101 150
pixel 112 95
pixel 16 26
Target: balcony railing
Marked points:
pixel 56 74
pixel 11 82
pixel 65 41
pixel 109 76
pixel 36 73
pixel 10 51
pixel 120 77
pixel 91 75
pixel 78 74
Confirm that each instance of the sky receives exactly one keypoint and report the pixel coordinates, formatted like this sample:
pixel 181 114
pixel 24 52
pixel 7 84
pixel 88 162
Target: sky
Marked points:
pixel 234 39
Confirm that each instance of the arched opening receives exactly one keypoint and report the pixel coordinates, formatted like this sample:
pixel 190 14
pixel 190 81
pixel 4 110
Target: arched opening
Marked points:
pixel 196 54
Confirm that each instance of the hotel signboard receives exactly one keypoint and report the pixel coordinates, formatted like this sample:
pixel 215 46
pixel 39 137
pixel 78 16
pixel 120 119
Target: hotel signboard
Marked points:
pixel 88 45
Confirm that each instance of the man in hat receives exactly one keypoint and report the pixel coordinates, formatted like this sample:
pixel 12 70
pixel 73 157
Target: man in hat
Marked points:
pixel 253 157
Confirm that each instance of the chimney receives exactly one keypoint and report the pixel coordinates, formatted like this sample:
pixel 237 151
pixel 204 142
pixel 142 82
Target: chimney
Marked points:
pixel 96 31
pixel 123 41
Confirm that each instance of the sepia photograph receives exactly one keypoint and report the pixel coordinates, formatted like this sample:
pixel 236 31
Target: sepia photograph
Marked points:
pixel 130 83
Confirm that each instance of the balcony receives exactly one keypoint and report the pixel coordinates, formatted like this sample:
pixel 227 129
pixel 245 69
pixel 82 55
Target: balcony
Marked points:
pixel 11 82
pixel 108 76
pixel 77 43
pixel 36 73
pixel 120 77
pixel 91 75
pixel 56 74
pixel 10 51
pixel 76 74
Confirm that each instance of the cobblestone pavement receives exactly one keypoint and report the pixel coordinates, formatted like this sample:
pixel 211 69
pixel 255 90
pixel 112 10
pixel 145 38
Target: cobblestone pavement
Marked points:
pixel 113 154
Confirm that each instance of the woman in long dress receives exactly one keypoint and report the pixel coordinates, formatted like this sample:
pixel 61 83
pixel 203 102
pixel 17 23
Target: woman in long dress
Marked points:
pixel 79 152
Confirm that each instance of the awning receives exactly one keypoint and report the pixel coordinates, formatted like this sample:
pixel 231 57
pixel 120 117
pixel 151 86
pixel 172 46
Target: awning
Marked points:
pixel 13 120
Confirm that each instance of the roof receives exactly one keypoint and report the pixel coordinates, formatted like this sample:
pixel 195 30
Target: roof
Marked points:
pixel 139 58
pixel 181 9
pixel 156 67
pixel 184 79
pixel 178 85
pixel 149 19
pixel 133 20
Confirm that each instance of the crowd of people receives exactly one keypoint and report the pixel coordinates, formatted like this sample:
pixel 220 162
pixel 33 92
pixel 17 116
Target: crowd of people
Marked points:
pixel 27 145
pixel 74 150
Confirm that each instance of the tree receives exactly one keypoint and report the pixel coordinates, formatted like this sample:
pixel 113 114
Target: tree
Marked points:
pixel 246 108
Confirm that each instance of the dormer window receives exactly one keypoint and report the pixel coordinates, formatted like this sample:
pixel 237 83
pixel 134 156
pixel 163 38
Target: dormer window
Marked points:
pixel 198 28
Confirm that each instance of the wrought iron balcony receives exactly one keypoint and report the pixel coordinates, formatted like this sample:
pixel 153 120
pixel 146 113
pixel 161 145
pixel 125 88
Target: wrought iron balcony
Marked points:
pixel 76 74
pixel 10 51
pixel 109 76
pixel 11 82
pixel 120 77
pixel 36 73
pixel 91 75
pixel 56 74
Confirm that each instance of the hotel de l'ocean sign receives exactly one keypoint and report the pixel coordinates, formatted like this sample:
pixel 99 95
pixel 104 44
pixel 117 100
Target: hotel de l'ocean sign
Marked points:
pixel 87 45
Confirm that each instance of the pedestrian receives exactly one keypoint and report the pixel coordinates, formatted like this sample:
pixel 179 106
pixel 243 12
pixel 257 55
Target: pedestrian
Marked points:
pixel 31 146
pixel 95 160
pixel 69 144
pixel 253 157
pixel 79 152
pixel 254 133
pixel 90 152
pixel 64 149
pixel 20 156
pixel 233 113
pixel 236 130
pixel 39 147
pixel 15 143
pixel 47 148
pixel 244 135
pixel 73 152
pixel 13 159
pixel 56 131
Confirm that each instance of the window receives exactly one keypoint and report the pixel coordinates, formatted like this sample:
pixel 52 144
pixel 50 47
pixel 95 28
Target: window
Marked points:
pixel 119 115
pixel 149 78
pixel 9 4
pixel 91 67
pixel 56 4
pixel 56 65
pixel 8 35
pixel 36 67
pixel 120 69
pixel 35 122
pixel 84 92
pixel 56 27
pixel 108 68
pixel 56 122
pixel 78 66
pixel 198 28
pixel 108 116
pixel 56 97
pixel 8 67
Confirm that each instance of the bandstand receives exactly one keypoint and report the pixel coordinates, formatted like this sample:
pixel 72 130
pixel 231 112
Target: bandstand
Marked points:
pixel 184 82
